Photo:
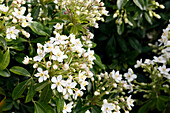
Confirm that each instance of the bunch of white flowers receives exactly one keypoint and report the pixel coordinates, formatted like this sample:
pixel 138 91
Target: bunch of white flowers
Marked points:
pixel 66 61
pixel 83 11
pixel 13 19
pixel 115 86
pixel 157 68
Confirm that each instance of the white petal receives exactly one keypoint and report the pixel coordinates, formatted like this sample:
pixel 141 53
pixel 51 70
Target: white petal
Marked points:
pixel 40 70
pixel 53 86
pixel 40 79
pixel 60 88
pixel 59 77
pixel 53 79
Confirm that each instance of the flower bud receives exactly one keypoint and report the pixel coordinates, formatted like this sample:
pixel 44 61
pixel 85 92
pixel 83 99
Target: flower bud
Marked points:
pixel 65 67
pixel 55 66
pixel 35 65
pixel 162 6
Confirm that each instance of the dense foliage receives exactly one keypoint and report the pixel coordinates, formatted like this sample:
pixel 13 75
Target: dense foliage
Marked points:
pixel 79 56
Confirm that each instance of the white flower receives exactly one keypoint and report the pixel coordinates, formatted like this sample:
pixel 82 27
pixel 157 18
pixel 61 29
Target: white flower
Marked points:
pixel 116 76
pixel 29 18
pixel 149 62
pixel 130 102
pixel 78 93
pixel 138 63
pixel 3 8
pixel 107 107
pixel 58 82
pixel 43 75
pixel 130 76
pixel 48 64
pixel 68 107
pixel 26 60
pixel 165 71
pixel 58 26
pixel 87 111
pixel 159 59
pixel 58 54
pixel 68 87
pixel 12 33
pixel 19 13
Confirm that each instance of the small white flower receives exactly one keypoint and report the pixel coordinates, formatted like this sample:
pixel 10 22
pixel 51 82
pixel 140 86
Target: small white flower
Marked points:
pixel 87 111
pixel 78 93
pixel 159 59
pixel 58 26
pixel 165 71
pixel 12 33
pixel 116 76
pixel 58 82
pixel 43 75
pixel 26 60
pixel 69 86
pixel 68 107
pixel 138 63
pixel 130 76
pixel 130 102
pixel 48 64
pixel 107 107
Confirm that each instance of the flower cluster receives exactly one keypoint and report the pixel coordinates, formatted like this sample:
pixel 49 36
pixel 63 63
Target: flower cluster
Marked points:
pixel 13 19
pixel 157 68
pixel 83 11
pixel 66 60
pixel 115 86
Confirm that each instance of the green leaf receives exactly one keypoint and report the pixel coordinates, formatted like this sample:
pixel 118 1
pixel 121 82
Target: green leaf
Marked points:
pixel 4 74
pixel 60 104
pixel 160 104
pixel 138 3
pixel 31 92
pixel 120 29
pixel 121 3
pixel 164 98
pixel 2 92
pixel 144 108
pixel 148 18
pixel 35 12
pixel 95 109
pixel 99 62
pixel 40 86
pixel 39 28
pixel 46 94
pixel 20 71
pixel 5 59
pixel 39 108
pixel 7 106
pixel 3 43
pixel 135 44
pixel 19 89
pixel 122 44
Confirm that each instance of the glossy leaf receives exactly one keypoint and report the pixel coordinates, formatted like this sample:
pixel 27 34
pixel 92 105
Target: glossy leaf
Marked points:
pixel 120 29
pixel 60 104
pixel 4 74
pixel 3 43
pixel 46 94
pixel 135 44
pixel 19 89
pixel 31 92
pixel 148 18
pixel 20 71
pixel 40 86
pixel 39 28
pixel 122 44
pixel 138 3
pixel 35 12
pixel 39 108
pixel 121 3
pixel 99 62
pixel 5 59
